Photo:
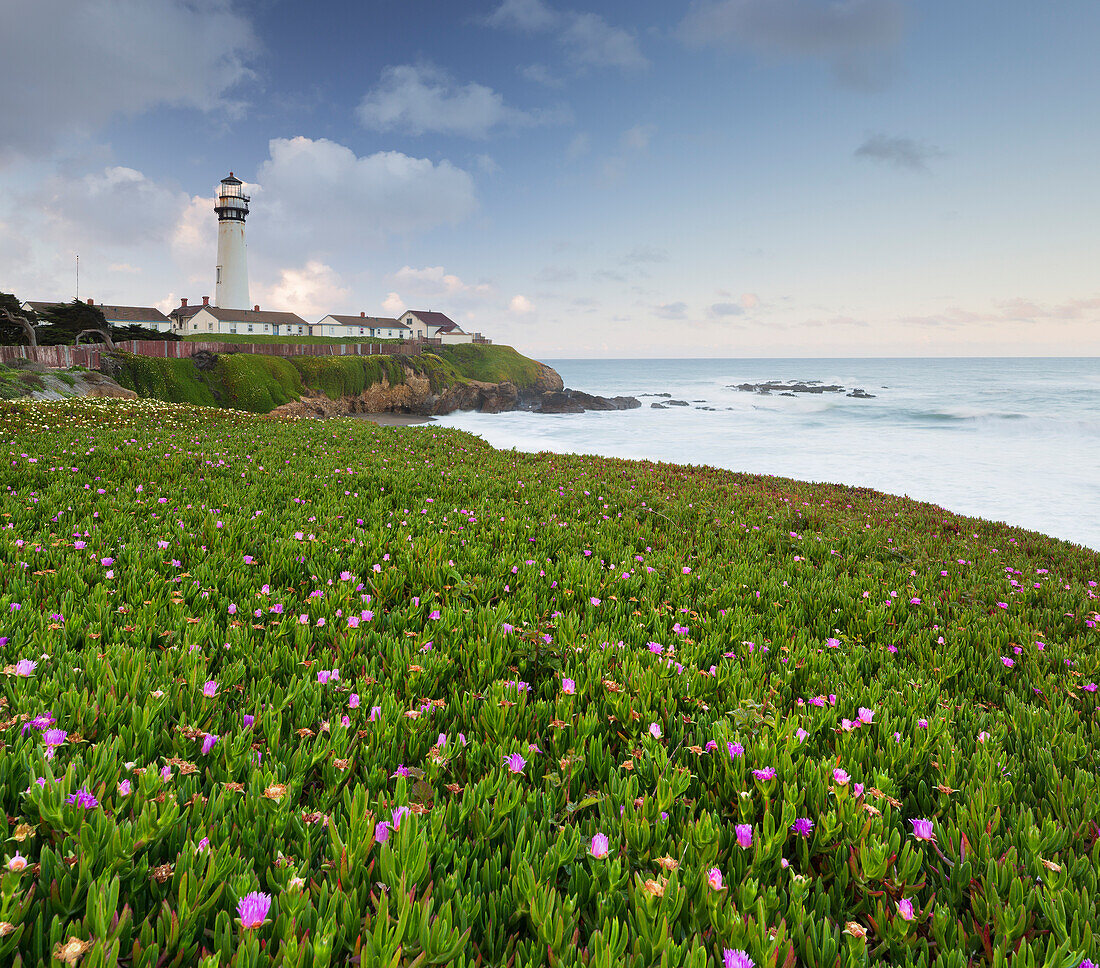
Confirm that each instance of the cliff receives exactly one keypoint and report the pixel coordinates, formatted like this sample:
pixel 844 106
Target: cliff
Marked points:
pixel 468 377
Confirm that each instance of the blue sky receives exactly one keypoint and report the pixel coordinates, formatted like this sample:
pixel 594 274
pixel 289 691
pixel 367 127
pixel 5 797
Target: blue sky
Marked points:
pixel 708 178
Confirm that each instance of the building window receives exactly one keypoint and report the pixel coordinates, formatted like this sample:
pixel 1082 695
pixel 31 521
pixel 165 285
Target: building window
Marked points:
pixel 250 327
pixel 265 327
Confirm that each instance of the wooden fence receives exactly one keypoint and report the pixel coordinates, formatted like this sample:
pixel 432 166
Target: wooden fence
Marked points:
pixel 89 355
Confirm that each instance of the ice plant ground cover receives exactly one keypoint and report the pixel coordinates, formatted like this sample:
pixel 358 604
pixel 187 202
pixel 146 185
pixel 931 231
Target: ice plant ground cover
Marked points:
pixel 283 693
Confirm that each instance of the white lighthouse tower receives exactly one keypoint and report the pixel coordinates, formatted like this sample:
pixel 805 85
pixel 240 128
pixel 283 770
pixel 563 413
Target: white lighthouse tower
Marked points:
pixel 231 284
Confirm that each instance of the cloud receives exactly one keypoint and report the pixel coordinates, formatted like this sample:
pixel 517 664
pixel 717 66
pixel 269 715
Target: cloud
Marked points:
pixel 750 300
pixel 673 310
pixel 540 74
pixel 67 69
pixel 435 281
pixel 638 137
pixel 520 306
pixel 587 38
pixel 855 37
pixel 645 253
pixel 123 267
pixel 421 99
pixel 320 196
pixel 116 206
pixel 724 309
pixel 393 304
pixel 590 41
pixel 578 146
pixel 898 152
pixel 486 164
pixel 555 274
pixel 312 290
pixel 530 16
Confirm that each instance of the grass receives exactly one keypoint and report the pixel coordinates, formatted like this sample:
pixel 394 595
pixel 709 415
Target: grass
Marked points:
pixel 440 704
pixel 259 383
pixel 289 340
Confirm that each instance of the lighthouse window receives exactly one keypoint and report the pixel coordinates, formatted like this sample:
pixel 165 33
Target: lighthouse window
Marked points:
pixel 219 275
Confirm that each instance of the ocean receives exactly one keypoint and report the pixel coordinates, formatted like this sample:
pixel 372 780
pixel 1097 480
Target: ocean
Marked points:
pixel 1013 440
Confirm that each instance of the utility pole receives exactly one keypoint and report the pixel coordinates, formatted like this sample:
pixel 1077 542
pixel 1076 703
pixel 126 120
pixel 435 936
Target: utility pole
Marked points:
pixel 78 277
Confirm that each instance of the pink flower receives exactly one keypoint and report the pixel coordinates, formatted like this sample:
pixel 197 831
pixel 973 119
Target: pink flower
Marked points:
pixel 839 776
pixel 735 750
pixel 1008 661
pixel 714 879
pixel 803 825
pixel 568 686
pixel 801 734
pixel 382 831
pixel 744 835
pixel 866 715
pixel 202 845
pixel 983 736
pixel 594 601
pixel 599 847
pixel 124 788
pixel 515 763
pixel 654 730
pixel 253 908
pixel 905 909
pixel 736 958
pixel 434 615
pixel 17 863
pixel 768 773
pixel 25 667
pixel 922 829
pixel 82 798
pixel 210 689
pixel 353 701
pixel 208 742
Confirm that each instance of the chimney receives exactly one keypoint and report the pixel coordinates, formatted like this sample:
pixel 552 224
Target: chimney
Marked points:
pixel 206 300
pixel 91 302
pixel 362 315
pixel 183 304
pixel 256 309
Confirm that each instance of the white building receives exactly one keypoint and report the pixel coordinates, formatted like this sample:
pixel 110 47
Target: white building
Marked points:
pixel 215 320
pixel 146 316
pixel 231 273
pixel 431 325
pixel 361 326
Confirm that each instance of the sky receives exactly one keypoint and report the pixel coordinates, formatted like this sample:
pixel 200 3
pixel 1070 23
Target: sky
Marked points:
pixel 632 178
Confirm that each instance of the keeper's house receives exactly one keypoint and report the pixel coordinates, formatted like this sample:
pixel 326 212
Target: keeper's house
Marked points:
pixel 213 321
pixel 431 325
pixel 361 326
pixel 145 316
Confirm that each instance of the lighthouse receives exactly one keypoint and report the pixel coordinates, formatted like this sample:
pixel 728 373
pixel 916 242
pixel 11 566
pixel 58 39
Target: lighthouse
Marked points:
pixel 231 283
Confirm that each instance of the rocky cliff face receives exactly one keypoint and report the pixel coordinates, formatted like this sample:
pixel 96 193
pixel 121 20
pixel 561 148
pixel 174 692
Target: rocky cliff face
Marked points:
pixel 416 396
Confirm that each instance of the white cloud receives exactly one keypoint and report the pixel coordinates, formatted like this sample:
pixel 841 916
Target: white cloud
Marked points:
pixel 422 99
pixel 590 41
pixel 719 310
pixel 520 305
pixel 750 300
pixel 540 74
pixel 526 15
pixel 114 207
pixel 393 304
pixel 853 36
pixel 312 290
pixel 580 145
pixel 67 69
pixel 124 267
pixel 435 281
pixel 638 137
pixel 319 196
